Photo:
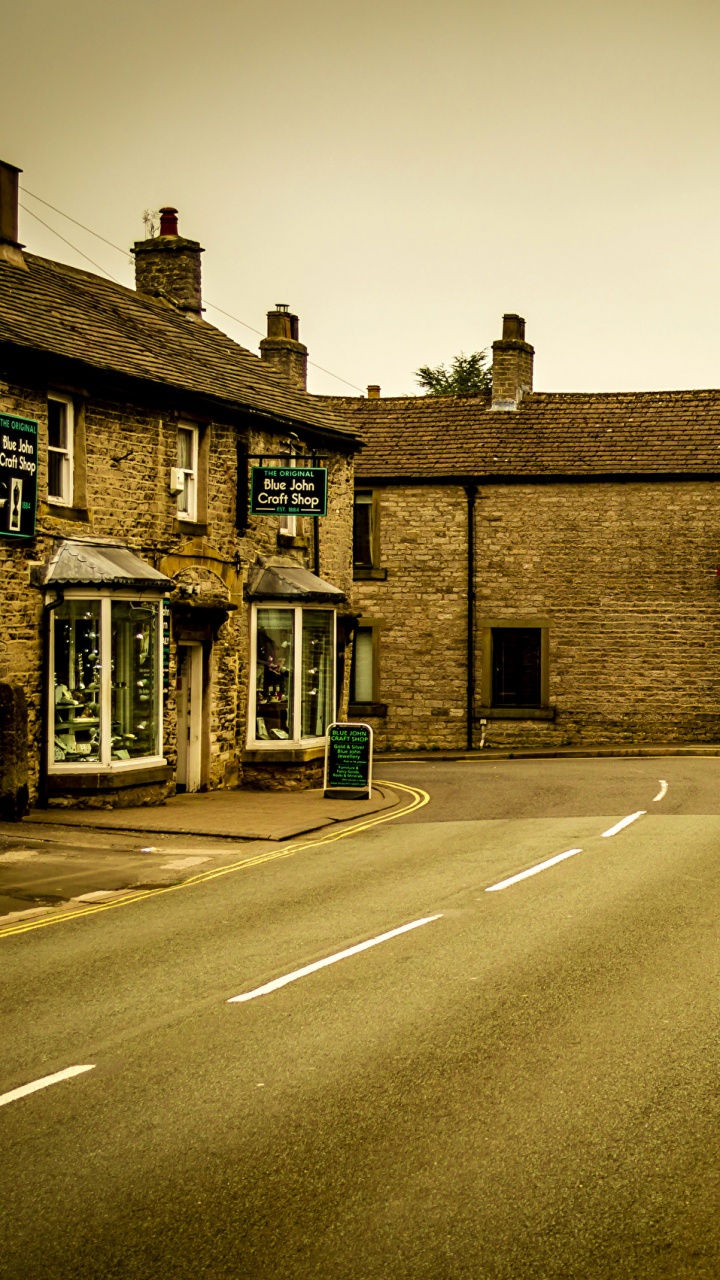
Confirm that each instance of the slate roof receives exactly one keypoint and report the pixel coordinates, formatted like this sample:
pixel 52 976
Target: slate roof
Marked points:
pixel 70 313
pixel 79 561
pixel 550 435
pixel 291 582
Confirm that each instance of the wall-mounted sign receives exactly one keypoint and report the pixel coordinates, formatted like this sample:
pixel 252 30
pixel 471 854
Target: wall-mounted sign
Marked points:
pixel 18 476
pixel 348 761
pixel 288 491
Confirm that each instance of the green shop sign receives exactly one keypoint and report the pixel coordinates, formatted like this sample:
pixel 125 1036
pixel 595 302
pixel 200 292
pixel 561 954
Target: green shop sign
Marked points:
pixel 288 491
pixel 18 476
pixel 348 761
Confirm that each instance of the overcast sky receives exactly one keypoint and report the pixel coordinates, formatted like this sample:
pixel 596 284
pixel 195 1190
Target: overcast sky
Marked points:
pixel 400 174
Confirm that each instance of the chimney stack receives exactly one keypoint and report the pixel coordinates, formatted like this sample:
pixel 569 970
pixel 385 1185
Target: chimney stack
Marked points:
pixel 10 248
pixel 282 348
pixel 373 391
pixel 512 366
pixel 168 266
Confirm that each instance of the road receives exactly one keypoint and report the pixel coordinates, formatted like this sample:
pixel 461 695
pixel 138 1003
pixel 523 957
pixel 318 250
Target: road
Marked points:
pixel 523 1084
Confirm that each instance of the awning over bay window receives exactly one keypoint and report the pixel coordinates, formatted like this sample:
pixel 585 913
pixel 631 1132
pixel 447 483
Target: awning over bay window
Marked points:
pixel 103 564
pixel 288 581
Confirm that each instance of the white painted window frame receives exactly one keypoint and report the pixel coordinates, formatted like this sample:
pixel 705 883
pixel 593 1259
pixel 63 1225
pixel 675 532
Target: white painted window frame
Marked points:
pixel 282 744
pixel 191 472
pixel 68 458
pixel 105 764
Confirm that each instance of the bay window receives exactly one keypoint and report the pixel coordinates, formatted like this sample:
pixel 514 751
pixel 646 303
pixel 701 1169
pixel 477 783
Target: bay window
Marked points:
pixel 105 695
pixel 293 682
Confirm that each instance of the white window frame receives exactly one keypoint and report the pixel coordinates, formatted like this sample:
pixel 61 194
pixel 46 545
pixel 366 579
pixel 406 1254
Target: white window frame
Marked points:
pixel 288 527
pixel 282 744
pixel 190 473
pixel 67 465
pixel 105 764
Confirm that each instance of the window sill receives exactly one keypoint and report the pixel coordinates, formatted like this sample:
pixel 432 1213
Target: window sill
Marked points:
pixel 360 710
pixel 190 528
pixel 99 778
pixel 281 754
pixel 366 575
pixel 292 540
pixel 58 511
pixel 514 713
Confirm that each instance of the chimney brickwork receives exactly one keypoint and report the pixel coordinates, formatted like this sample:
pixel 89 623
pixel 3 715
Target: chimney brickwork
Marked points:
pixel 512 366
pixel 282 348
pixel 168 266
pixel 10 248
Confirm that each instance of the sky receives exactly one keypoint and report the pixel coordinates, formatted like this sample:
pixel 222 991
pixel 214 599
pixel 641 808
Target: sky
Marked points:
pixel 399 174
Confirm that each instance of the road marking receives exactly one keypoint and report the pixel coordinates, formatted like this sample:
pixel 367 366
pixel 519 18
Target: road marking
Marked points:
pixel 624 822
pixel 322 964
pixel 532 871
pixel 25 1089
pixel 419 799
pixel 663 789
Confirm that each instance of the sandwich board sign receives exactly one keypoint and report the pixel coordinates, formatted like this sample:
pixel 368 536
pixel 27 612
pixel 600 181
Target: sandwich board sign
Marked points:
pixel 348 761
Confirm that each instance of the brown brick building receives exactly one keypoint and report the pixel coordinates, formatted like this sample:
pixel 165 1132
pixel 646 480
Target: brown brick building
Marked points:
pixel 154 632
pixel 537 569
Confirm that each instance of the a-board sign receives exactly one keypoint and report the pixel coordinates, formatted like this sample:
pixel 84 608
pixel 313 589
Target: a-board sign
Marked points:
pixel 18 476
pixel 348 761
pixel 288 491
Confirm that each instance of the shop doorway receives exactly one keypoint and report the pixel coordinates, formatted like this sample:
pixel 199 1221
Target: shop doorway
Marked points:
pixel 189 716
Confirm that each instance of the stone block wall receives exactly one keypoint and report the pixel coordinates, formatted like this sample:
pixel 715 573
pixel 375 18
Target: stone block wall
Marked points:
pixel 624 574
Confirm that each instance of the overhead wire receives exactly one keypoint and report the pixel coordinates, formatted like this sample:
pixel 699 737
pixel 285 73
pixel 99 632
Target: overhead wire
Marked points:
pixel 97 235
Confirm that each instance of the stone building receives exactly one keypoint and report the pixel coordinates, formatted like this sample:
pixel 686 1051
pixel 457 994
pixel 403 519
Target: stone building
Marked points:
pixel 154 633
pixel 537 569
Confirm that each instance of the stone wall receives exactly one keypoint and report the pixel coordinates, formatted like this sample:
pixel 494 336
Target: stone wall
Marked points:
pixel 625 575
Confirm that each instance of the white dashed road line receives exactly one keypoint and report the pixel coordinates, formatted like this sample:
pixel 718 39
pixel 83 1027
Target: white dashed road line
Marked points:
pixel 321 964
pixel 25 1089
pixel 624 822
pixel 663 789
pixel 532 871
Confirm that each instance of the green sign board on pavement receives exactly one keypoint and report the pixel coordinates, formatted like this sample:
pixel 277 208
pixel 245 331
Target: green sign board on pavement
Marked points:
pixel 288 491
pixel 348 761
pixel 18 476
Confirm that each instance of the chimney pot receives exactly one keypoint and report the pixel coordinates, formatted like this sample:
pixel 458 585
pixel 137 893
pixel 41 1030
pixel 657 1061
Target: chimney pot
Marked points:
pixel 373 391
pixel 168 221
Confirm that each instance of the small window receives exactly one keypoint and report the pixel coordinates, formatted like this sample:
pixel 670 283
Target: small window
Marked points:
pixel 363 531
pixel 516 667
pixel 60 450
pixel 188 438
pixel 362 676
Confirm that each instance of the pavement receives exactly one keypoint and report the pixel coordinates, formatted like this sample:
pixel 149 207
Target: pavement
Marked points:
pixel 55 859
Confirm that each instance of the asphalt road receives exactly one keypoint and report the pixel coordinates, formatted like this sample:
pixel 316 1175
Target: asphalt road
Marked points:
pixel 527 1084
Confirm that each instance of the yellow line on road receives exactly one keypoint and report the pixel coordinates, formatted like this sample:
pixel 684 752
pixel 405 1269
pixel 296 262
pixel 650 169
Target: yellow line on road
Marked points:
pixel 419 799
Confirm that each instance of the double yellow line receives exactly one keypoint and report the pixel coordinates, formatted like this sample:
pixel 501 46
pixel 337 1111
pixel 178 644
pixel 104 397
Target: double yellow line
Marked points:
pixel 418 799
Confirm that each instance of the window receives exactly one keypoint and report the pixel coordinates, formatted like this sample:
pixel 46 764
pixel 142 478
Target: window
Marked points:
pixel 516 667
pixel 365 670
pixel 105 697
pixel 293 685
pixel 188 448
pixel 363 530
pixel 60 449
pixel 366 535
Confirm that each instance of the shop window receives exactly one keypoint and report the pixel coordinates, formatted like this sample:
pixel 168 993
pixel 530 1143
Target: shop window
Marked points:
pixel 60 449
pixel 105 698
pixel 516 667
pixel 293 686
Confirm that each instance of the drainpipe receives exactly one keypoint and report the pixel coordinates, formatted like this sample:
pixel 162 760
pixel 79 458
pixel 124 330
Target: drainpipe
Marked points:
pixel 471 491
pixel 316 546
pixel 48 610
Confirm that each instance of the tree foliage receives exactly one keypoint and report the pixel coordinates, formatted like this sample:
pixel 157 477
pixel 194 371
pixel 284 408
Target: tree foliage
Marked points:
pixel 467 376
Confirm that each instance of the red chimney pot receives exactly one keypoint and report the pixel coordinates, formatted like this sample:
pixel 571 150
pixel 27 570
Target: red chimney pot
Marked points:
pixel 168 221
